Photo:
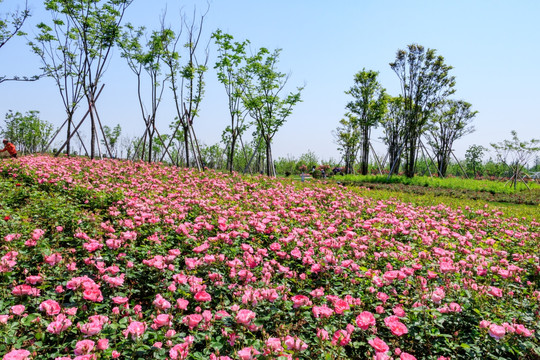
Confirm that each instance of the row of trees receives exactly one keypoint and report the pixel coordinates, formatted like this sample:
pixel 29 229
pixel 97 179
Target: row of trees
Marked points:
pixel 76 45
pixel 422 109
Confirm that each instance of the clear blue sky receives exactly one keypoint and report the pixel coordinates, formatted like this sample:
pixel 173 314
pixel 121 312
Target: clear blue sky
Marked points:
pixel 494 47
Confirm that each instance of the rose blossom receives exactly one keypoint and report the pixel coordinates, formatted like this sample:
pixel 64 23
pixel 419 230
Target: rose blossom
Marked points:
pixel 245 316
pixel 203 296
pixel 379 345
pixel 50 307
pixel 496 331
pixel 17 355
pixel 84 347
pixel 365 320
pixel 18 309
pixel 294 343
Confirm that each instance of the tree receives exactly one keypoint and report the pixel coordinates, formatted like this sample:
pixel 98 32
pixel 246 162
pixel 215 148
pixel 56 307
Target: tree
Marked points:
pixel 450 122
pixel 147 58
pixel 112 136
pixel 57 48
pixel 187 84
pixel 516 154
pixel 263 100
pixel 229 66
pixel 425 83
pixel 394 132
pixel 96 27
pixel 369 106
pixel 347 137
pixel 27 132
pixel 10 26
pixel 473 158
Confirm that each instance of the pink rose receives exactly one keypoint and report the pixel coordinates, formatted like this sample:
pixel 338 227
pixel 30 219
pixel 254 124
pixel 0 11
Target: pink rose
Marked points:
pixel 161 303
pixel 135 329
pixel 496 331
pixel 437 296
pixel 91 328
pixel 398 328
pixel 365 320
pixel 322 311
pixel 192 320
pixel 322 334
pixel 17 355
pixel 93 294
pixel 294 343
pixel 50 307
pixel 182 304
pixel 341 338
pixel 245 316
pixel 103 344
pixel 162 320
pixel 300 300
pixel 59 325
pixel 18 309
pixel 247 353
pixel 340 306
pixel 379 345
pixel 84 347
pixel 406 356
pixel 274 345
pixel 203 296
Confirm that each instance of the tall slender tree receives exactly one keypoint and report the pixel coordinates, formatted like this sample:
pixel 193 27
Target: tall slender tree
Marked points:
pixel 347 136
pixel 231 59
pixel 57 47
pixel 147 58
pixel 393 128
pixel 10 26
pixel 449 123
pixel 96 27
pixel 369 105
pixel 263 98
pixel 187 82
pixel 425 82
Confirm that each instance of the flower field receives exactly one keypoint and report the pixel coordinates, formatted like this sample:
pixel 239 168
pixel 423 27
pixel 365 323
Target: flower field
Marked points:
pixel 114 259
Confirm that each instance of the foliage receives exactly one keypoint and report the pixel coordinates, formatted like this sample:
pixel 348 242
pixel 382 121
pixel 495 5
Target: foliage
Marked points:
pixel 112 136
pixel 450 122
pixel 393 124
pixel 120 258
pixel 263 99
pixel 473 158
pixel 231 58
pixel 27 132
pixel 369 106
pixel 425 83
pixel 91 30
pixel 516 154
pixel 129 259
pixel 10 26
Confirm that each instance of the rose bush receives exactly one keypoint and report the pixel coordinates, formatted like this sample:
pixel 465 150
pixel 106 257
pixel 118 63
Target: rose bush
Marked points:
pixel 120 259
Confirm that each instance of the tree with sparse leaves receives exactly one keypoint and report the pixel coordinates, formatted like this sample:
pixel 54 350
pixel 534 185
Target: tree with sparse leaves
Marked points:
pixel 516 154
pixel 231 59
pixel 147 58
pixel 473 158
pixel 347 137
pixel 450 122
pixel 264 100
pixel 425 83
pixel 369 106
pixel 95 25
pixel 27 132
pixel 10 26
pixel 393 128
pixel 187 83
